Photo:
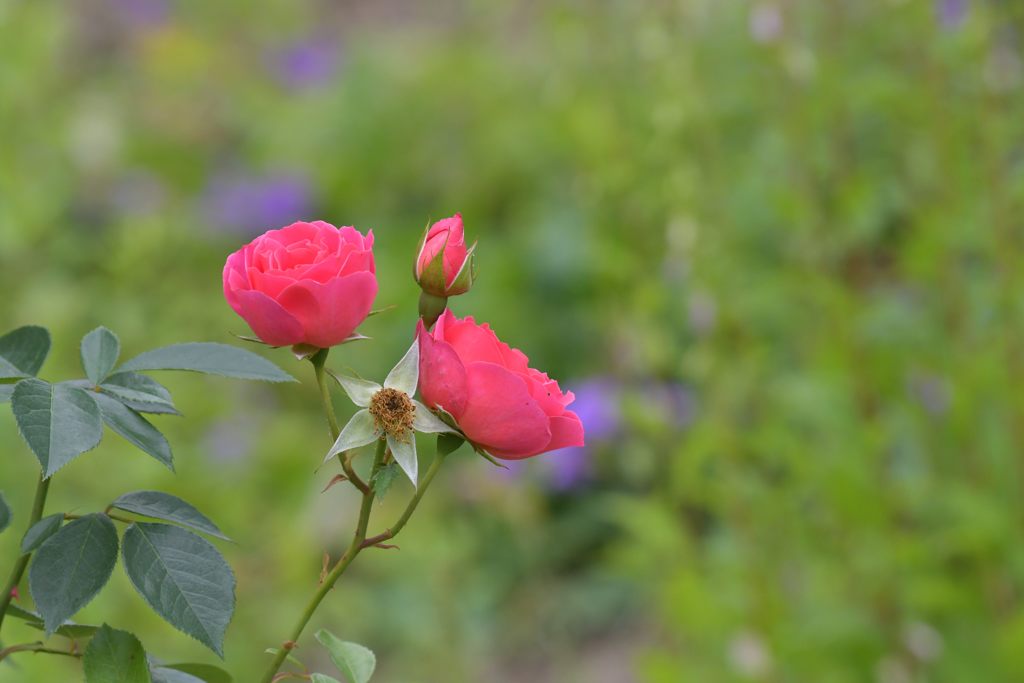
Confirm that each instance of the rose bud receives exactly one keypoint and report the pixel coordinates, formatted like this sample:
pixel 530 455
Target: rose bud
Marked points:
pixel 444 266
pixel 502 405
pixel 307 283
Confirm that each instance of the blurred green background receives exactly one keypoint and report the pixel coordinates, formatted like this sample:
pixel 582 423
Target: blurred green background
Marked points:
pixel 775 247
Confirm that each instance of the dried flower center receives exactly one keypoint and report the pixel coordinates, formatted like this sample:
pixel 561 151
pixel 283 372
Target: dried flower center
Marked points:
pixel 393 412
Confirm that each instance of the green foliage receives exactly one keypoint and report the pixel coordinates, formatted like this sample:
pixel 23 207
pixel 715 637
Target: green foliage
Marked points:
pixel 23 351
pixel 58 422
pixel 355 661
pixel 322 678
pixel 139 392
pixel 68 629
pixel 136 429
pixel 5 512
pixel 203 672
pixel 814 235
pixel 211 358
pixel 99 350
pixel 169 508
pixel 383 478
pixel 115 657
pixel 71 566
pixel 40 531
pixel 160 674
pixel 183 578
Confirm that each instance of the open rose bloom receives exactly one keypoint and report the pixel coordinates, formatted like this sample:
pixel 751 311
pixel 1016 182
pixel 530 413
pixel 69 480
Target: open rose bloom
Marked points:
pixel 500 403
pixel 308 283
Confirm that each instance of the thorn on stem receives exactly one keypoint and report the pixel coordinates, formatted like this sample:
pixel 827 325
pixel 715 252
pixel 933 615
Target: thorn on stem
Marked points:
pixel 324 565
pixel 289 645
pixel 336 479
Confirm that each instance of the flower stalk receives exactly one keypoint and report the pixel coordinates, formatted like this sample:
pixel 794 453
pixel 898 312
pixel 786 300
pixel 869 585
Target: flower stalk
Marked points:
pixel 404 377
pixel 42 488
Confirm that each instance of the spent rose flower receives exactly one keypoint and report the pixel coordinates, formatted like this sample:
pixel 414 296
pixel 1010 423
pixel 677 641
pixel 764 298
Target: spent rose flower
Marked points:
pixel 307 283
pixel 389 412
pixel 500 403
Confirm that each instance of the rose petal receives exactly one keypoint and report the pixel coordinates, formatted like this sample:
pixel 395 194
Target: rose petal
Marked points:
pixel 501 415
pixel 473 342
pixel 442 375
pixel 270 322
pixel 566 430
pixel 331 311
pixel 234 277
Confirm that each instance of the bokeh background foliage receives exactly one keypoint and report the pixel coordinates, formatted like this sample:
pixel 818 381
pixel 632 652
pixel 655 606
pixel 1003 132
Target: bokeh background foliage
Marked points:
pixel 775 246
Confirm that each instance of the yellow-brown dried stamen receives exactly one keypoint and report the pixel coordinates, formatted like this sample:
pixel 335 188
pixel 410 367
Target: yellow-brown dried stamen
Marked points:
pixel 393 412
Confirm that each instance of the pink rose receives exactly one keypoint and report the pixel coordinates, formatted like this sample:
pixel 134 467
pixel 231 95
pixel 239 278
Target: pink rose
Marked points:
pixel 308 283
pixel 452 274
pixel 500 403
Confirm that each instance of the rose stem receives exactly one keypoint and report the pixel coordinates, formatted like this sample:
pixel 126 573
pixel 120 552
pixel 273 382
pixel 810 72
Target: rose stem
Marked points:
pixel 318 360
pixel 359 542
pixel 19 567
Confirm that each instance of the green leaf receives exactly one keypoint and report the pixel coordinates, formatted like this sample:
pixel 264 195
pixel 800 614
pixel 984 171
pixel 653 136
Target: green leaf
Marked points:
pixel 40 531
pixel 139 392
pixel 352 659
pixel 212 358
pixel 68 629
pixel 204 672
pixel 99 350
pixel 71 566
pixel 322 678
pixel 24 349
pixel 383 478
pixel 136 429
pixel 162 674
pixel 5 392
pixel 58 422
pixel 115 657
pixel 22 613
pixel 168 508
pixel 183 578
pixel 5 513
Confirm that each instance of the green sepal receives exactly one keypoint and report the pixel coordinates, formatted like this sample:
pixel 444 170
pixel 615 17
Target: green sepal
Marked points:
pixel 431 279
pixel 449 443
pixel 466 276
pixel 488 457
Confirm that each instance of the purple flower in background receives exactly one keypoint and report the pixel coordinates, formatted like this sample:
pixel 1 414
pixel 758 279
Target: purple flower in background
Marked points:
pixel 952 13
pixel 142 13
pixel 765 22
pixel 251 205
pixel 307 63
pixel 932 392
pixel 597 404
